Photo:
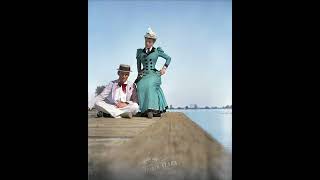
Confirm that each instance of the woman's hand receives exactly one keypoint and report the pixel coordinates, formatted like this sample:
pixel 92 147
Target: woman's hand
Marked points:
pixel 162 71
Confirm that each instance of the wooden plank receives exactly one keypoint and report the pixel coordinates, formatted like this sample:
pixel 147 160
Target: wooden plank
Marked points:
pixel 95 143
pixel 120 123
pixel 116 120
pixel 114 132
pixel 110 125
pixel 173 148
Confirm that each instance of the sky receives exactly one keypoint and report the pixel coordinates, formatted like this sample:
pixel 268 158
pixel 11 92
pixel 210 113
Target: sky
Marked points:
pixel 197 35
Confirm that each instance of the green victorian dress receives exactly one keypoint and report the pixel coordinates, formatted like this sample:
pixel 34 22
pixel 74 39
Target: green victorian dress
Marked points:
pixel 150 94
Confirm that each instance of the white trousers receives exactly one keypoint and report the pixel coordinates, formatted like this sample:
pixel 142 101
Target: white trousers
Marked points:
pixel 114 111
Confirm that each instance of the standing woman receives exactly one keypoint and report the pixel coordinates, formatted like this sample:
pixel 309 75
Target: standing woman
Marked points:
pixel 150 95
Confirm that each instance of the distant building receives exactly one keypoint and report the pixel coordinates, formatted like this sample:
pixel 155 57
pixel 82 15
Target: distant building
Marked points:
pixel 171 107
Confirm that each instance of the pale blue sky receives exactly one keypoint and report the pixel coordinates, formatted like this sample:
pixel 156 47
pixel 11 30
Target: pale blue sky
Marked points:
pixel 196 34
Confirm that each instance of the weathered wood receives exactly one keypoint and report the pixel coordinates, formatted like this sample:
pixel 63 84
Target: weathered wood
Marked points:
pixel 173 147
pixel 105 134
pixel 114 132
pixel 117 128
pixel 119 122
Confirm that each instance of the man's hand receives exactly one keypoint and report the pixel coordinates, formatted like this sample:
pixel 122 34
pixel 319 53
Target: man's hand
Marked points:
pixel 121 104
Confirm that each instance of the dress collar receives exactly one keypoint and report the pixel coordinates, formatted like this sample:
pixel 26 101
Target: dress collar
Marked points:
pixel 152 50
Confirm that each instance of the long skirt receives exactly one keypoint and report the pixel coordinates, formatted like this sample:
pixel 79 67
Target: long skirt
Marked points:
pixel 150 94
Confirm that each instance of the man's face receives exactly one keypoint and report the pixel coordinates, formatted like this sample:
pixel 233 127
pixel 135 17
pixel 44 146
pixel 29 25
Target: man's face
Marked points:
pixel 123 76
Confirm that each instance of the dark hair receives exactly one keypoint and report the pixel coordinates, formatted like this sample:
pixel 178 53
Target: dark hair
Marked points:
pixel 154 40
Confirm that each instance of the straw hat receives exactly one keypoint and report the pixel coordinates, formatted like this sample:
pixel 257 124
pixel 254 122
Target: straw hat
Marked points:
pixel 150 34
pixel 124 68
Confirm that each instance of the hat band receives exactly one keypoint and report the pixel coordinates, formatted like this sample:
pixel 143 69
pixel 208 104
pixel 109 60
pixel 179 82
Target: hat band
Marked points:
pixel 124 68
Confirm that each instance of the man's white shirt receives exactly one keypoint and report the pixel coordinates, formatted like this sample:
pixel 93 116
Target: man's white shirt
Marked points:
pixel 120 95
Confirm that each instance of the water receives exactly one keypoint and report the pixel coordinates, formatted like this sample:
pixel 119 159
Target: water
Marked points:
pixel 217 122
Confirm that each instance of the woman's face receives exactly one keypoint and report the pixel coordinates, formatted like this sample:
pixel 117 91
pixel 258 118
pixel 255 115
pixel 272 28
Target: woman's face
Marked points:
pixel 149 42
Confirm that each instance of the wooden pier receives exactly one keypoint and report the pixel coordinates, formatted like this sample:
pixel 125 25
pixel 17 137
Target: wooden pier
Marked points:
pixel 167 147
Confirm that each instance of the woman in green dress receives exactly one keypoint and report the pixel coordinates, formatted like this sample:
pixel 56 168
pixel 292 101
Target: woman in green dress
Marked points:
pixel 150 95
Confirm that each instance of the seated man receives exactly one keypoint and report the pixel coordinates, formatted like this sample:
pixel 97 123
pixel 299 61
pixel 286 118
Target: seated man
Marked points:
pixel 119 97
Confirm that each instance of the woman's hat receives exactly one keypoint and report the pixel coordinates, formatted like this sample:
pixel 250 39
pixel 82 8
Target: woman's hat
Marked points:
pixel 124 68
pixel 150 34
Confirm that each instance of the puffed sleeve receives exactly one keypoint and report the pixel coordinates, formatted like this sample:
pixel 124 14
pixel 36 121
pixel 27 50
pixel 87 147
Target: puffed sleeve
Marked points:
pixel 164 55
pixel 138 59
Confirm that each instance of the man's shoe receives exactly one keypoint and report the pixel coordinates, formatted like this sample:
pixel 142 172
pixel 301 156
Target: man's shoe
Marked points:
pixel 150 115
pixel 126 115
pixel 106 115
pixel 99 114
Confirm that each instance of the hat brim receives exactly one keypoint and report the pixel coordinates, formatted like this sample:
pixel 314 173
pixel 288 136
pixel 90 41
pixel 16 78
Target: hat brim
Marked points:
pixel 150 37
pixel 123 70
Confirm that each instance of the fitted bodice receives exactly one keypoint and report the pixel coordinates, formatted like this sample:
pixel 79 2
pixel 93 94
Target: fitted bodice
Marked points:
pixel 149 61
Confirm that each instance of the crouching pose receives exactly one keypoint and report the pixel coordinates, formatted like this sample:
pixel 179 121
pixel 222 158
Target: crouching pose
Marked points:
pixel 119 97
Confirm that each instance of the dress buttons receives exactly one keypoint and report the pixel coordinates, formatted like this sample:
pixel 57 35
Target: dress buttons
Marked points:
pixel 150 60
